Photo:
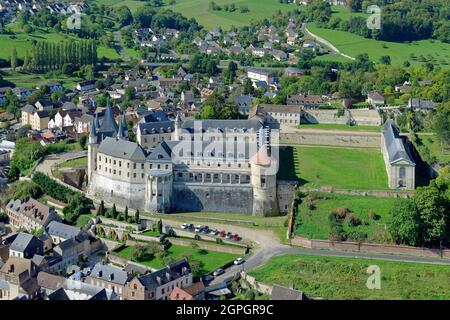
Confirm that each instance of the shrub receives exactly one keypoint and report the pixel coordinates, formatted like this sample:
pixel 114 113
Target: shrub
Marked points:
pixel 353 221
pixel 219 241
pixel 341 212
pixel 373 215
pixel 337 233
pixel 357 236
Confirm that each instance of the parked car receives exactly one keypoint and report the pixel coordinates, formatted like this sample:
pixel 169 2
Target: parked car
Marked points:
pixel 222 234
pixel 185 226
pixel 208 278
pixel 205 229
pixel 213 232
pixel 239 261
pixel 218 272
pixel 235 237
pixel 229 235
pixel 198 228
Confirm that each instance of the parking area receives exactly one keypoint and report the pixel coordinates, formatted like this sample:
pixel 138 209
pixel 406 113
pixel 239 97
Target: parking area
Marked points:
pixel 203 229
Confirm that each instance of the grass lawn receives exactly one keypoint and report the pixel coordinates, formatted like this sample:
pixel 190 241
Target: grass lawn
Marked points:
pixel 345 278
pixel 151 233
pixel 80 162
pixel 199 9
pixel 314 223
pixel 25 79
pixel 83 219
pixel 325 126
pixel 212 260
pixel 339 167
pixel 351 44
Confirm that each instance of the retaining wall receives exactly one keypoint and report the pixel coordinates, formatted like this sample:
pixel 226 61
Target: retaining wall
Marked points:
pixel 332 138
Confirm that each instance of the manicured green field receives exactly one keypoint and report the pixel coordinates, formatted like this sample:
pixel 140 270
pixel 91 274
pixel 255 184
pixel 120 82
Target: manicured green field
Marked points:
pixel 24 79
pixel 324 126
pixel 314 223
pixel 212 260
pixel 80 162
pixel 151 233
pixel 22 42
pixel 339 167
pixel 346 278
pixel 351 44
pixel 199 9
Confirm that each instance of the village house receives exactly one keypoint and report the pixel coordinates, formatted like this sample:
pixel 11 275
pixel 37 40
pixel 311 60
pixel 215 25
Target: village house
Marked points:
pixel 43 105
pixel 22 93
pixel 26 246
pixel 258 74
pixel 375 99
pixel 52 87
pixel 86 86
pixel 18 279
pixel 109 277
pixel 308 101
pixel 159 285
pixel 293 72
pixel 277 115
pixel 82 124
pixel 420 104
pixel 29 214
pixel 64 119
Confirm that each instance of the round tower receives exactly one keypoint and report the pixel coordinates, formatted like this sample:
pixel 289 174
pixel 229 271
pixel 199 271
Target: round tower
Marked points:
pixel 158 191
pixel 264 181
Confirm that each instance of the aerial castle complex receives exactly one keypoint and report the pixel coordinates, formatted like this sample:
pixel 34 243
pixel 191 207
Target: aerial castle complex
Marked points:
pixel 211 166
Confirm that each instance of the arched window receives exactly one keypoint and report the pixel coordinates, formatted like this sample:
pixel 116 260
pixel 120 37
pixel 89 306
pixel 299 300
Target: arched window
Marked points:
pixel 402 172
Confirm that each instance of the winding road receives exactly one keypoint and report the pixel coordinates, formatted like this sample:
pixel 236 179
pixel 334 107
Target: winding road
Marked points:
pixel 331 47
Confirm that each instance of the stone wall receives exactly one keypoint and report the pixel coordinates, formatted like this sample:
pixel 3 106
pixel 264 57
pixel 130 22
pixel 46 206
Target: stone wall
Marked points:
pixel 285 194
pixel 331 138
pixel 212 198
pixel 369 247
pixel 355 116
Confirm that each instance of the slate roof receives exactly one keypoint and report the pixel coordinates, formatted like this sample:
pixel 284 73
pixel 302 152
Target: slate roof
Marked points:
pixel 109 273
pixel 25 241
pixel 156 127
pixel 123 149
pixel 109 126
pixel 155 116
pixel 29 108
pixel 283 293
pixel 281 108
pixel 62 230
pixel 49 281
pixel 170 273
pixel 394 144
pixel 224 125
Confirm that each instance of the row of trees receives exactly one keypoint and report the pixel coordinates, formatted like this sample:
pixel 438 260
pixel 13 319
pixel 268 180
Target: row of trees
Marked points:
pixel 45 56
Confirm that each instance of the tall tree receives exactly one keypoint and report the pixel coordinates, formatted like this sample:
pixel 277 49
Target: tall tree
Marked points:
pixel 14 59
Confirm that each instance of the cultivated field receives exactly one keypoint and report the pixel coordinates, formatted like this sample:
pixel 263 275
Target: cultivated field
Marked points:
pixel 339 167
pixel 314 223
pixel 345 278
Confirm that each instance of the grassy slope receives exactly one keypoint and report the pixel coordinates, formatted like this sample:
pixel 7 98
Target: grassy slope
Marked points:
pixel 353 45
pixel 211 259
pixel 199 9
pixel 352 168
pixel 345 278
pixel 314 224
pixel 441 154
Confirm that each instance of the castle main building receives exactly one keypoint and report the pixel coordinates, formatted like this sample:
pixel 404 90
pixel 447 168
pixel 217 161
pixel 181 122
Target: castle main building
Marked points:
pixel 210 166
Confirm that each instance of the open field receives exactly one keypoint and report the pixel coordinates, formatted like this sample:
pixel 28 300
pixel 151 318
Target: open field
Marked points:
pixel 351 44
pixel 345 278
pixel 199 9
pixel 339 167
pixel 314 223
pixel 212 260
pixel 324 126
pixel 83 219
pixel 30 80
